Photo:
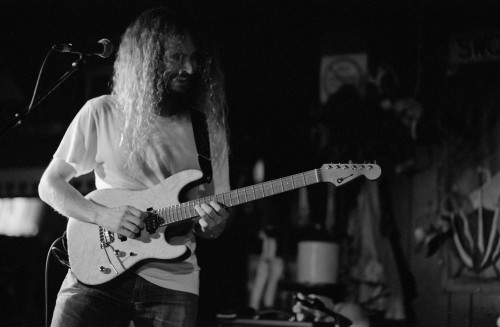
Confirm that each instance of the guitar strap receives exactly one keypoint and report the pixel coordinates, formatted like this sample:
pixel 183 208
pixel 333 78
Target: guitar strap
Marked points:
pixel 201 138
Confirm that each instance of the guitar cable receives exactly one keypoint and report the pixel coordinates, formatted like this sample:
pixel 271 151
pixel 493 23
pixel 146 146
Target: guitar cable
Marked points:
pixel 57 252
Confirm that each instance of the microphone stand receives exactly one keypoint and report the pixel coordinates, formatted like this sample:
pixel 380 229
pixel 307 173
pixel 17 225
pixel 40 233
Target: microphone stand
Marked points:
pixel 18 117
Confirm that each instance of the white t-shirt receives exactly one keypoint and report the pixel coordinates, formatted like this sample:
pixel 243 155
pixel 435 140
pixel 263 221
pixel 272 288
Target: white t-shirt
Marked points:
pixel 91 143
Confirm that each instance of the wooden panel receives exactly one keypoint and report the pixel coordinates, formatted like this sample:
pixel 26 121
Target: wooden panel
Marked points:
pixel 485 309
pixel 431 305
pixel 460 310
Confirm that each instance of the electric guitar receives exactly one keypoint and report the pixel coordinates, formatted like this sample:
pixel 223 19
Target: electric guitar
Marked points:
pixel 97 255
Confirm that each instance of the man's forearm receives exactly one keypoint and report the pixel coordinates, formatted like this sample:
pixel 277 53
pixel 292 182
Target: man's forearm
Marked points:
pixel 66 200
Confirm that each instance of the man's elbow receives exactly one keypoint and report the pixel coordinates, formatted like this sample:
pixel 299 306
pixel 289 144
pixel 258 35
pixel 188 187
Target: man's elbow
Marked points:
pixel 43 188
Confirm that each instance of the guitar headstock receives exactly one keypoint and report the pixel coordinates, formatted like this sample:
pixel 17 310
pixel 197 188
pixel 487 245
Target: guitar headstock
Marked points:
pixel 342 173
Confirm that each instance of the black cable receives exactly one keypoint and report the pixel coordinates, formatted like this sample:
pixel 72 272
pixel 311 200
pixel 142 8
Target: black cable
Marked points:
pixel 18 117
pixel 33 97
pixel 53 250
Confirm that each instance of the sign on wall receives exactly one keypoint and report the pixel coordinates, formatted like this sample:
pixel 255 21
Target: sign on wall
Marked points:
pixel 477 47
pixel 339 70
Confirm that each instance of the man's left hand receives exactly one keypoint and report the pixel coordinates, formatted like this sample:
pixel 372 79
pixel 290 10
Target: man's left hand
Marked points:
pixel 213 217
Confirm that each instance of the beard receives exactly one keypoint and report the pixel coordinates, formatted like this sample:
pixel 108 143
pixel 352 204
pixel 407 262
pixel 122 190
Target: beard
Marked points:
pixel 182 95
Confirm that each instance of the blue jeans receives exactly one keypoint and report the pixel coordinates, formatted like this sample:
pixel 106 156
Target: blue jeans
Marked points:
pixel 131 299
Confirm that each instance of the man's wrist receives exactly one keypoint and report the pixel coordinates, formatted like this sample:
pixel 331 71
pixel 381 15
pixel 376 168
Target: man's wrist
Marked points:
pixel 212 233
pixel 198 231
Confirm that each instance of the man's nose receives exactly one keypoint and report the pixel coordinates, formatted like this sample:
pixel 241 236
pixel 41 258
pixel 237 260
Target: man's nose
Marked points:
pixel 188 66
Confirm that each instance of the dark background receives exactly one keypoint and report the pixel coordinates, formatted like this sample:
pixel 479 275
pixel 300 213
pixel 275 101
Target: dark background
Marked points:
pixel 270 51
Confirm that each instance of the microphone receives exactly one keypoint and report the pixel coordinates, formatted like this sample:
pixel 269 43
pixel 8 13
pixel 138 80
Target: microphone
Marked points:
pixel 103 48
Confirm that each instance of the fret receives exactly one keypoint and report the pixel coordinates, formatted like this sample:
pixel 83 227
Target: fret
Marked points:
pixel 192 210
pixel 227 201
pixel 263 185
pixel 235 193
pixel 251 193
pixel 245 193
pixel 239 196
pixel 172 214
pixel 168 216
pixel 266 185
pixel 179 210
pixel 277 185
pixel 284 184
pixel 260 191
pixel 183 212
pixel 163 215
pixel 274 187
pixel 176 212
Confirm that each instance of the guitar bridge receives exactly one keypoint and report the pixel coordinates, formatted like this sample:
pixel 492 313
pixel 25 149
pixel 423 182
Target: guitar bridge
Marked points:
pixel 106 237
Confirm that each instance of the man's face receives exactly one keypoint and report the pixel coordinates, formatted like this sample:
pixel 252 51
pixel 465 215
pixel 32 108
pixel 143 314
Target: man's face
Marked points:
pixel 186 65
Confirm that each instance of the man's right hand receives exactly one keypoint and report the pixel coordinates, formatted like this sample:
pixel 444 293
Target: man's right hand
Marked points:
pixel 125 220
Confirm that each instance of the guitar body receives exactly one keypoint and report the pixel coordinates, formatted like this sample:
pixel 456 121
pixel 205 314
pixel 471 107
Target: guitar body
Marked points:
pixel 92 263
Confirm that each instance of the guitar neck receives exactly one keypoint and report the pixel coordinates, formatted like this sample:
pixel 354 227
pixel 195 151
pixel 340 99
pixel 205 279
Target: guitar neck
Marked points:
pixel 186 211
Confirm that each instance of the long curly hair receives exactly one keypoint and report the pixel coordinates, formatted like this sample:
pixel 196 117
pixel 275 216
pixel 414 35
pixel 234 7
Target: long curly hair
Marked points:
pixel 145 63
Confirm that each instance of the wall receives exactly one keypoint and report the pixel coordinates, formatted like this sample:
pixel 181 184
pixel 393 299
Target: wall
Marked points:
pixel 416 204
